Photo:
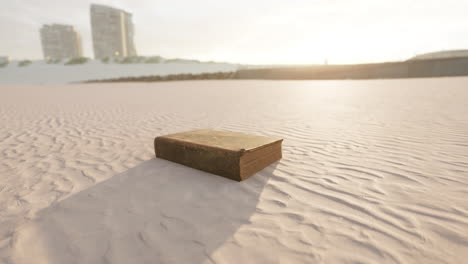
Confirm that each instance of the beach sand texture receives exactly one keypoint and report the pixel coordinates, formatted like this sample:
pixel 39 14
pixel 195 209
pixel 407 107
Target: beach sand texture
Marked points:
pixel 372 172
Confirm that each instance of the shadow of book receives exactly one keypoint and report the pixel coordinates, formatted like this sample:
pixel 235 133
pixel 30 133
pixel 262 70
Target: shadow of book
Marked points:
pixel 157 212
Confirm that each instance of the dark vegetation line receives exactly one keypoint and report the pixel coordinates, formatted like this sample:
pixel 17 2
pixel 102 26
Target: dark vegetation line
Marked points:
pixel 406 69
pixel 171 77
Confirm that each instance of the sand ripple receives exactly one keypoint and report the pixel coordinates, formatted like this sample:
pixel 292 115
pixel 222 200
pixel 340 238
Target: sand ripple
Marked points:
pixel 373 172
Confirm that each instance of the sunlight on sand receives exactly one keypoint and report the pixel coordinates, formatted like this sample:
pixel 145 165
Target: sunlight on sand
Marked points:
pixel 372 172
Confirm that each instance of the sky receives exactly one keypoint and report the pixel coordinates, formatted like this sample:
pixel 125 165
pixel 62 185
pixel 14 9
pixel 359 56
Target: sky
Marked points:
pixel 255 31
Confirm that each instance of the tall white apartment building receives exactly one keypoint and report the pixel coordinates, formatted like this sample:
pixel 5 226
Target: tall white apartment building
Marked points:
pixel 112 32
pixel 60 42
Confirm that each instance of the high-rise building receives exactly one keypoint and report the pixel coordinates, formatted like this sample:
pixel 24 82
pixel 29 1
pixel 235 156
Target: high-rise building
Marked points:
pixel 60 42
pixel 112 31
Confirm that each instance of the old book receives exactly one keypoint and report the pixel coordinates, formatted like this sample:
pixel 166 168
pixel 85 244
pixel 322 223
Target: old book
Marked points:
pixel 232 155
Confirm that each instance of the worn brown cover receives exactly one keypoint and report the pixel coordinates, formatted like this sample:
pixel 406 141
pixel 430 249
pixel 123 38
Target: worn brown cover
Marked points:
pixel 232 155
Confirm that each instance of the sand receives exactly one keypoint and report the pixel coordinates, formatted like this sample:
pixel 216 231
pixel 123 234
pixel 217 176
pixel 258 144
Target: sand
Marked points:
pixel 372 172
pixel 40 72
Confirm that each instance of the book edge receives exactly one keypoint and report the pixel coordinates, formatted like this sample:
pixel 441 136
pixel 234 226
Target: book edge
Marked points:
pixel 168 138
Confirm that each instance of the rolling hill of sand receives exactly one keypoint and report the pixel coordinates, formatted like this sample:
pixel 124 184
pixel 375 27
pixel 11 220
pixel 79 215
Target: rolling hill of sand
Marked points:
pixel 372 172
pixel 39 72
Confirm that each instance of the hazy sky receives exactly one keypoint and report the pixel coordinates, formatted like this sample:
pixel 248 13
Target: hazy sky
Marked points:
pixel 255 31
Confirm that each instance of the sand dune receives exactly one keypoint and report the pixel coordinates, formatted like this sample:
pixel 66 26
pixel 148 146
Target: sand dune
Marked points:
pixel 372 172
pixel 40 72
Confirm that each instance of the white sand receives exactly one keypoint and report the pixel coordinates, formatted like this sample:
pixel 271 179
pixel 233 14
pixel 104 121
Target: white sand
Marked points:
pixel 40 72
pixel 373 172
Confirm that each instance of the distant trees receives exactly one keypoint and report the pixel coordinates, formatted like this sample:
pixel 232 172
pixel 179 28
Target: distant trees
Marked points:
pixel 106 60
pixel 4 61
pixel 24 63
pixel 53 61
pixel 177 60
pixel 154 59
pixel 131 60
pixel 148 60
pixel 174 77
pixel 78 60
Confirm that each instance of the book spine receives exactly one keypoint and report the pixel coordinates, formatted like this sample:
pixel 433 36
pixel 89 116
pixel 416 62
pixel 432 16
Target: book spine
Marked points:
pixel 212 160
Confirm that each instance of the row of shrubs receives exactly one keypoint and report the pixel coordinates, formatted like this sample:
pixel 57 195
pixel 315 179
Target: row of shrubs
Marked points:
pixel 125 60
pixel 20 63
pixel 141 59
pixel 173 77
pixel 24 63
pixel 79 60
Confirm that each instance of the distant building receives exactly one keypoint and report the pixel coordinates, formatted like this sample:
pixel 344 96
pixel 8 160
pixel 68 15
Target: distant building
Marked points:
pixel 112 32
pixel 60 42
